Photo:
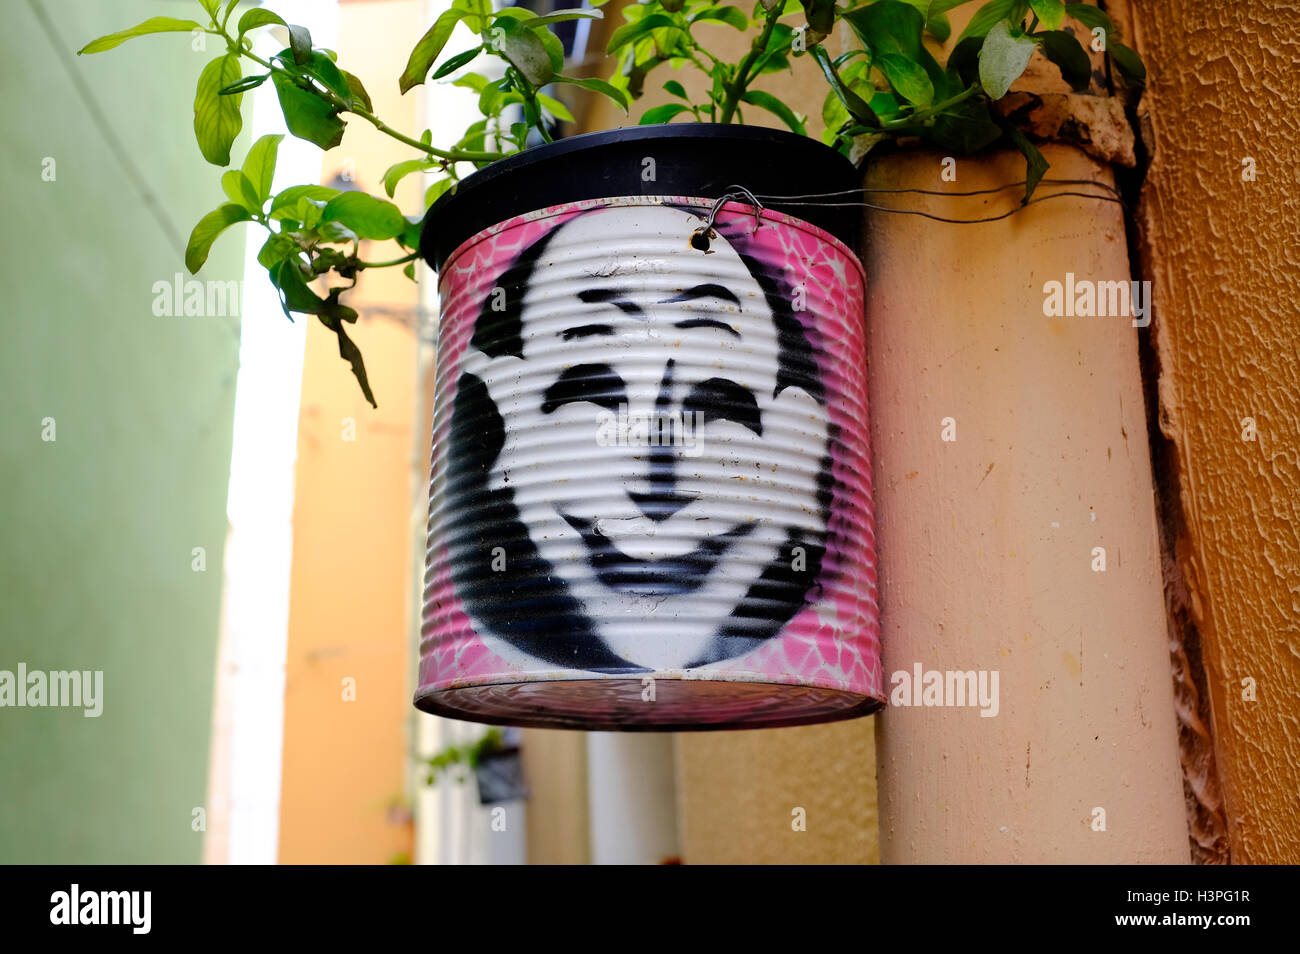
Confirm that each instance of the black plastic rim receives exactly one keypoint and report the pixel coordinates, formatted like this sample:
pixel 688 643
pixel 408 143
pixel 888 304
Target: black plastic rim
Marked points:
pixel 691 159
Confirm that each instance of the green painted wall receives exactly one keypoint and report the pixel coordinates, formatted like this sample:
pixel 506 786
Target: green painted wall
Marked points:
pixel 98 526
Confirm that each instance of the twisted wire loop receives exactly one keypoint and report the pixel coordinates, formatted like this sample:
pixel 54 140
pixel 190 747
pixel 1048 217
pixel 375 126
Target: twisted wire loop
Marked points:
pixel 702 236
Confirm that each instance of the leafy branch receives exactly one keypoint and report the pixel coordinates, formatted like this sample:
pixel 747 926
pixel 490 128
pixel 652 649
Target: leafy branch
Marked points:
pixel 468 756
pixel 888 86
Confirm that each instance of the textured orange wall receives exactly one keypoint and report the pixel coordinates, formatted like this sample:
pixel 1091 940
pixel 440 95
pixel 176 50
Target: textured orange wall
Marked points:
pixel 345 763
pixel 1224 256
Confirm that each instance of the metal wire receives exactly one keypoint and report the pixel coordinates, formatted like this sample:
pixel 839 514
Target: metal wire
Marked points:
pixel 791 200
pixel 941 192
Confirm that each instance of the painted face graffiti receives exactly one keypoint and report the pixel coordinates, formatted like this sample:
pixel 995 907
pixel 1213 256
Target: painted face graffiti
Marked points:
pixel 699 532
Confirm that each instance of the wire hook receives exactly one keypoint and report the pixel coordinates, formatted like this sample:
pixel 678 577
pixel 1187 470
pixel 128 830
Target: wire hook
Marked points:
pixel 701 237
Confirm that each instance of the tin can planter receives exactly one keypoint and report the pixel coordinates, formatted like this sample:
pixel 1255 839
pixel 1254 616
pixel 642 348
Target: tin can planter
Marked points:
pixel 651 490
pixel 499 772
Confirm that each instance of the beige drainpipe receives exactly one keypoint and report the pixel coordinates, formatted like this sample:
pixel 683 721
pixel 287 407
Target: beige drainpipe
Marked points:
pixel 988 543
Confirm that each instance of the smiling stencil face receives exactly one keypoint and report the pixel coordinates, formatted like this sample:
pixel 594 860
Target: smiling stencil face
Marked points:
pixel 673 537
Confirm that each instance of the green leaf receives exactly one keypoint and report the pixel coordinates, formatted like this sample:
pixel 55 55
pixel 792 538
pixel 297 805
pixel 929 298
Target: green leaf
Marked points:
pixel 240 191
pixel 474 138
pixel 1003 59
pixel 456 62
pixel 399 171
pixel 563 15
pixel 334 309
pixel 857 107
pixel 523 48
pixel 259 17
pixel 437 190
pixel 369 217
pixel 476 13
pixel 597 86
pixel 275 250
pixel 321 68
pixel 662 114
pixel 152 25
pixel 986 16
pixel 210 6
pixel 834 115
pixel 891 27
pixel 1050 13
pixel 1091 17
pixel 634 31
pixel 554 48
pixel 244 85
pixel 937 26
pixel 731 16
pixel 359 96
pixel 410 237
pixel 907 78
pixel 964 60
pixel 285 205
pixel 474 81
pixel 206 232
pixel 555 108
pixel 309 212
pixel 295 293
pixel 217 120
pixel 965 130
pixel 259 165
pixel 1035 164
pixel 1064 50
pixel 777 108
pixel 676 89
pixel 1129 63
pixel 350 353
pixel 307 115
pixel 336 232
pixel 821 15
pixel 427 50
pixel 299 43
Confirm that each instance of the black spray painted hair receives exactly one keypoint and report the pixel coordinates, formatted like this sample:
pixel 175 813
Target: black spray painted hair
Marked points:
pixel 527 603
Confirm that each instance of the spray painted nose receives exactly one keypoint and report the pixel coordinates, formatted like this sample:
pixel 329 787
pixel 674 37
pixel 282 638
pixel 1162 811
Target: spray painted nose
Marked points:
pixel 663 500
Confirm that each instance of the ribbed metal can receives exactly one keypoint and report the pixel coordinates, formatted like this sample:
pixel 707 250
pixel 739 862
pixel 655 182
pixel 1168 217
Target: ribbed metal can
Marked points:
pixel 650 498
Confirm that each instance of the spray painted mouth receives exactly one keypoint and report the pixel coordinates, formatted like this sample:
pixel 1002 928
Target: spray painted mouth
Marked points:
pixel 667 577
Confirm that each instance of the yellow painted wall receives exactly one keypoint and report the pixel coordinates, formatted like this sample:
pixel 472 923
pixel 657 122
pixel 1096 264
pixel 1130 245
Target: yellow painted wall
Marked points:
pixel 345 763
pixel 740 795
pixel 1224 255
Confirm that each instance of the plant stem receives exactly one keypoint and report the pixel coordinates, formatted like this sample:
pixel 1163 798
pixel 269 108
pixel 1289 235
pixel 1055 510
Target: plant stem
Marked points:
pixel 911 118
pixel 397 261
pixel 455 155
pixel 535 109
pixel 741 80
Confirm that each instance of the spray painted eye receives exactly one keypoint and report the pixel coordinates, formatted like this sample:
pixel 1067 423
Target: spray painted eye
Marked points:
pixel 718 399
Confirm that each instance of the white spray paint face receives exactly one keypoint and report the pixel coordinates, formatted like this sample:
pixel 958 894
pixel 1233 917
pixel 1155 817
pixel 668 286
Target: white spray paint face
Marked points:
pixel 624 321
